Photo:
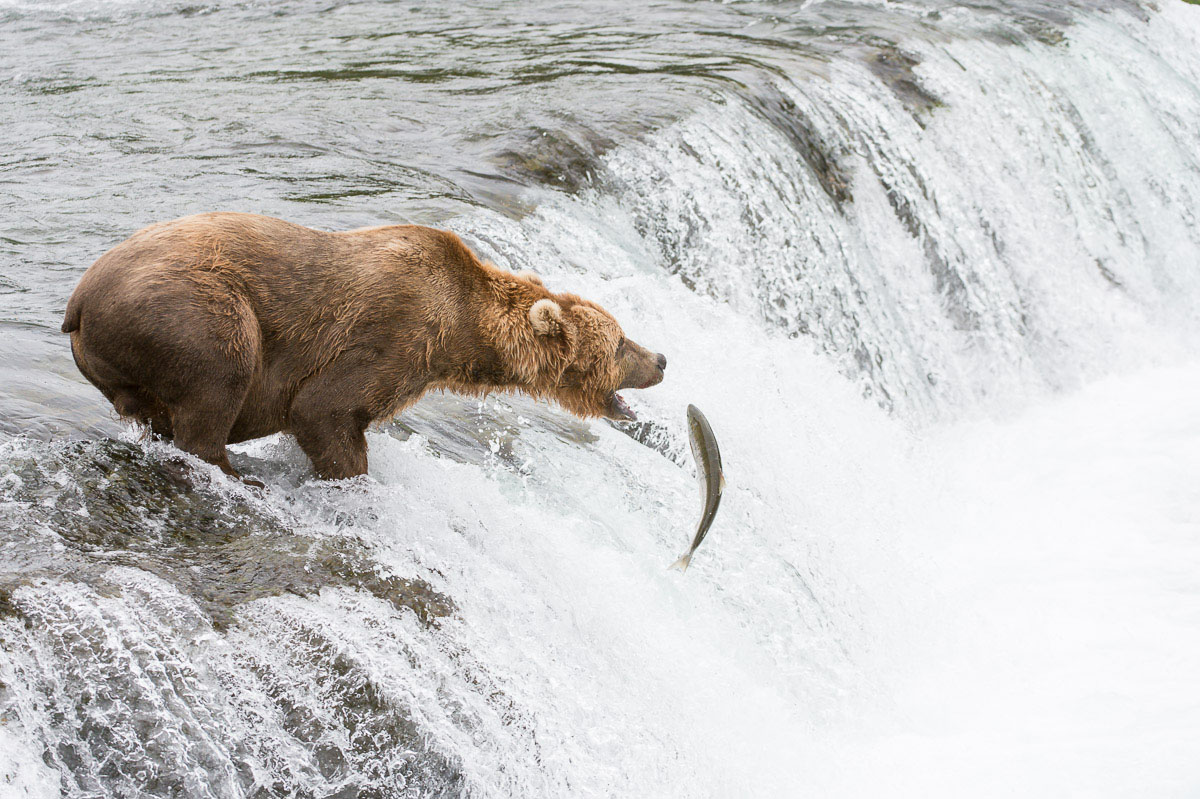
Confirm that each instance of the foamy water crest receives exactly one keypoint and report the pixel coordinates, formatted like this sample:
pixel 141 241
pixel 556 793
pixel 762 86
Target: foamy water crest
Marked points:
pixel 909 249
pixel 845 268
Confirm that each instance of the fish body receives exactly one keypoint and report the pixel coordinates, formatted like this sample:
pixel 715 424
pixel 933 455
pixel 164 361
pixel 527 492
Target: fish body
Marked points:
pixel 712 479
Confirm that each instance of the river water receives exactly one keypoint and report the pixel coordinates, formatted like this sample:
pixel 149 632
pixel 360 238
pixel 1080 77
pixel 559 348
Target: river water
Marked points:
pixel 930 269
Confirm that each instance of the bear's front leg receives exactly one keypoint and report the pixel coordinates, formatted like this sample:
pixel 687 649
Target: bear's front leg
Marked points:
pixel 328 416
pixel 334 442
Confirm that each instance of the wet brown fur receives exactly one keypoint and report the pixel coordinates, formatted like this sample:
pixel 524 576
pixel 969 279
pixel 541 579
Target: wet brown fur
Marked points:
pixel 219 328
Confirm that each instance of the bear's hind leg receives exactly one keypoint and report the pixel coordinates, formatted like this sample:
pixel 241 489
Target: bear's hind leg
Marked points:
pixel 178 354
pixel 131 403
pixel 202 423
pixel 204 399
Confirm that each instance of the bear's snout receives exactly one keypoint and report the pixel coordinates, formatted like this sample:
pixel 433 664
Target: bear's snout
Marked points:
pixel 660 362
pixel 642 368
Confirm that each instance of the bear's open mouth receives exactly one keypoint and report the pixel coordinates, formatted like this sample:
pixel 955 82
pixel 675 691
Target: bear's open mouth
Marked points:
pixel 618 409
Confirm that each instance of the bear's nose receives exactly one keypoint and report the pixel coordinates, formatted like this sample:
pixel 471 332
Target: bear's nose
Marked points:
pixel 662 362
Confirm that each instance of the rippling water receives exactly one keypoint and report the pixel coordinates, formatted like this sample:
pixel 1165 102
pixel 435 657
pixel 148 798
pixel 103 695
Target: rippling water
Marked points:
pixel 879 243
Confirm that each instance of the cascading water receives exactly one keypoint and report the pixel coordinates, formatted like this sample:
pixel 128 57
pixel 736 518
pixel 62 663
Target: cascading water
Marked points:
pixel 862 232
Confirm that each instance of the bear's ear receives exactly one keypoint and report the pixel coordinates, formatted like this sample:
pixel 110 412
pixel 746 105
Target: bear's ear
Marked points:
pixel 546 317
pixel 590 314
pixel 531 277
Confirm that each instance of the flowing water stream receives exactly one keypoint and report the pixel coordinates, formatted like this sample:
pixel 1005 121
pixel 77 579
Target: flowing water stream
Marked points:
pixel 930 269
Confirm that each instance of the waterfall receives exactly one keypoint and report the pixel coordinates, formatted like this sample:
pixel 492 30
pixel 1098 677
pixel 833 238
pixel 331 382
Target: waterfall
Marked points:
pixel 857 260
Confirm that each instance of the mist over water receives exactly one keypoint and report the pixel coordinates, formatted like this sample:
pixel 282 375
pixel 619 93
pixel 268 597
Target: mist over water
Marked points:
pixel 929 270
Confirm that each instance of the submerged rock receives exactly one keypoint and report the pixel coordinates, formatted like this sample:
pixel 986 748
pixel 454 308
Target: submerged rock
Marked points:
pixel 565 158
pixel 120 564
pixel 822 158
pixel 111 504
pixel 897 69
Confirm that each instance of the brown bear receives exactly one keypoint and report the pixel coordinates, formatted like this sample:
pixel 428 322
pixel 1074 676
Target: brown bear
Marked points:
pixel 219 328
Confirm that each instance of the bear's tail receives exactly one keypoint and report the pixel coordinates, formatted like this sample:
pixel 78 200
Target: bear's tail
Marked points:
pixel 71 319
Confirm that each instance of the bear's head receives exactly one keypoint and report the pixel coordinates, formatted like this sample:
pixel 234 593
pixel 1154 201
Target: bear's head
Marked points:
pixel 588 358
pixel 563 347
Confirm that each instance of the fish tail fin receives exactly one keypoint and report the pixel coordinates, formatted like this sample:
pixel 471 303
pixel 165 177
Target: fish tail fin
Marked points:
pixel 682 563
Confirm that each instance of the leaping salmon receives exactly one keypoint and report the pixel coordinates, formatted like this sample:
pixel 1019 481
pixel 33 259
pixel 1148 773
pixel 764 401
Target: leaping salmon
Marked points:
pixel 711 477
